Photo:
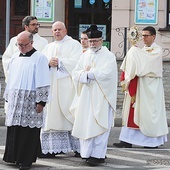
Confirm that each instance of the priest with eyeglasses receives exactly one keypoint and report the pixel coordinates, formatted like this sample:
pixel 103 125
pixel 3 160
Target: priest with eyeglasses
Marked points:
pixel 95 81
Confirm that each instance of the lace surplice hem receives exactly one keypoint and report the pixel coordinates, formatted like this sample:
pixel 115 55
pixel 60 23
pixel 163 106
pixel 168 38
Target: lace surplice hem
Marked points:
pixel 57 142
pixel 22 107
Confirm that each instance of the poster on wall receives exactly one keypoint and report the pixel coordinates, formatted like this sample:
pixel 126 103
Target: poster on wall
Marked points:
pixel 43 10
pixel 146 11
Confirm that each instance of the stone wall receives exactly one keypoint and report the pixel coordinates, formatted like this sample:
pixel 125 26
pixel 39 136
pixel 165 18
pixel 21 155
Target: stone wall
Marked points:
pixel 166 81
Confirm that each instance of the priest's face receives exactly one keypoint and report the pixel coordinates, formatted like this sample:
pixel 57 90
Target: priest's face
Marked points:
pixel 95 43
pixel 148 38
pixel 59 31
pixel 24 43
pixel 32 27
pixel 84 40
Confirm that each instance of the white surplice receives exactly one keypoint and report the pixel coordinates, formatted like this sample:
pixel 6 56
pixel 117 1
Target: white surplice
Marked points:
pixel 26 87
pixel 38 43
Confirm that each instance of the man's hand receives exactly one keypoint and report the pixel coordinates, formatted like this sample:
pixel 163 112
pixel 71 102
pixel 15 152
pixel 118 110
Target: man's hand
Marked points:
pixel 53 62
pixel 39 108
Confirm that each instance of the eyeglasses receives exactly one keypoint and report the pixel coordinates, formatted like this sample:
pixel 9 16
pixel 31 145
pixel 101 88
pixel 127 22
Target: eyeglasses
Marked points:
pixel 22 45
pixel 145 35
pixel 37 25
pixel 94 41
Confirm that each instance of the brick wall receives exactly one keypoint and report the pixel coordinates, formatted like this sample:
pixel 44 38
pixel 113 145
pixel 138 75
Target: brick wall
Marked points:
pixel 166 81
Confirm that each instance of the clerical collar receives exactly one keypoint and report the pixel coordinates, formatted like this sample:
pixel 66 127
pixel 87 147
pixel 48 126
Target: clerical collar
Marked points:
pixel 28 54
pixel 98 50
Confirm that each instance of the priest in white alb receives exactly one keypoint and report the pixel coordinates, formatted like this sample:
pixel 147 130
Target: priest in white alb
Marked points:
pixel 63 55
pixel 144 114
pixel 95 80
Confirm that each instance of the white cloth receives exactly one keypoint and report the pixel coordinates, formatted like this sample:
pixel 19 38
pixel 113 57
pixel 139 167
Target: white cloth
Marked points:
pixel 92 98
pixel 58 116
pixel 136 137
pixel 61 71
pixel 97 146
pixel 149 107
pixel 39 44
pixel 25 87
pixel 28 71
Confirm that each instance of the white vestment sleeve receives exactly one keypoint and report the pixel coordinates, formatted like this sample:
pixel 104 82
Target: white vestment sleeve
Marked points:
pixel 90 74
pixel 83 78
pixel 61 70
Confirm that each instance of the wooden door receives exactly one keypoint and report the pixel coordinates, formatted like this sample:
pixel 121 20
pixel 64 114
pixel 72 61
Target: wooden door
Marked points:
pixel 19 9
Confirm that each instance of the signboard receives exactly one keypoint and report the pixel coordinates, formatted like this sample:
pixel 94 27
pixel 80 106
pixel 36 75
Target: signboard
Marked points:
pixel 43 10
pixel 83 27
pixel 146 11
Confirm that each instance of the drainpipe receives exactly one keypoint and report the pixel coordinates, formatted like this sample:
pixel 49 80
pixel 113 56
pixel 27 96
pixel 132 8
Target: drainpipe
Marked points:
pixel 125 41
pixel 7 21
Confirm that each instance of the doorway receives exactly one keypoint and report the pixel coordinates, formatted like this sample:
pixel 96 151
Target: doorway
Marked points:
pixel 86 12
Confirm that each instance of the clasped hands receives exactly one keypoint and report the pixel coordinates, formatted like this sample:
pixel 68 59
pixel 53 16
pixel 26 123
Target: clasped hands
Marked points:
pixel 53 62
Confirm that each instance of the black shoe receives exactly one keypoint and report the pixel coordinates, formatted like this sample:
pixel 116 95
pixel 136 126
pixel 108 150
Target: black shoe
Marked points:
pixel 148 147
pixel 18 164
pixel 102 160
pixel 84 158
pixel 95 161
pixel 123 145
pixel 77 154
pixel 48 155
pixel 25 167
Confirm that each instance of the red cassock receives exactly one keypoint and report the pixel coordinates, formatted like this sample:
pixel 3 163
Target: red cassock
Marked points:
pixel 132 92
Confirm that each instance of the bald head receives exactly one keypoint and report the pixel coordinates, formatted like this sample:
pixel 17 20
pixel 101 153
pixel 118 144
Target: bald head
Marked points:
pixel 25 35
pixel 59 30
pixel 24 41
pixel 59 23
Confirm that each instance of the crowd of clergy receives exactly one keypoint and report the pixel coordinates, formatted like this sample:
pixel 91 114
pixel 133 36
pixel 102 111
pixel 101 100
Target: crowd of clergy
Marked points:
pixel 61 96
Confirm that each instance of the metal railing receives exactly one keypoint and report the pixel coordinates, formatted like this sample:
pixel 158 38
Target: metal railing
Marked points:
pixel 123 44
